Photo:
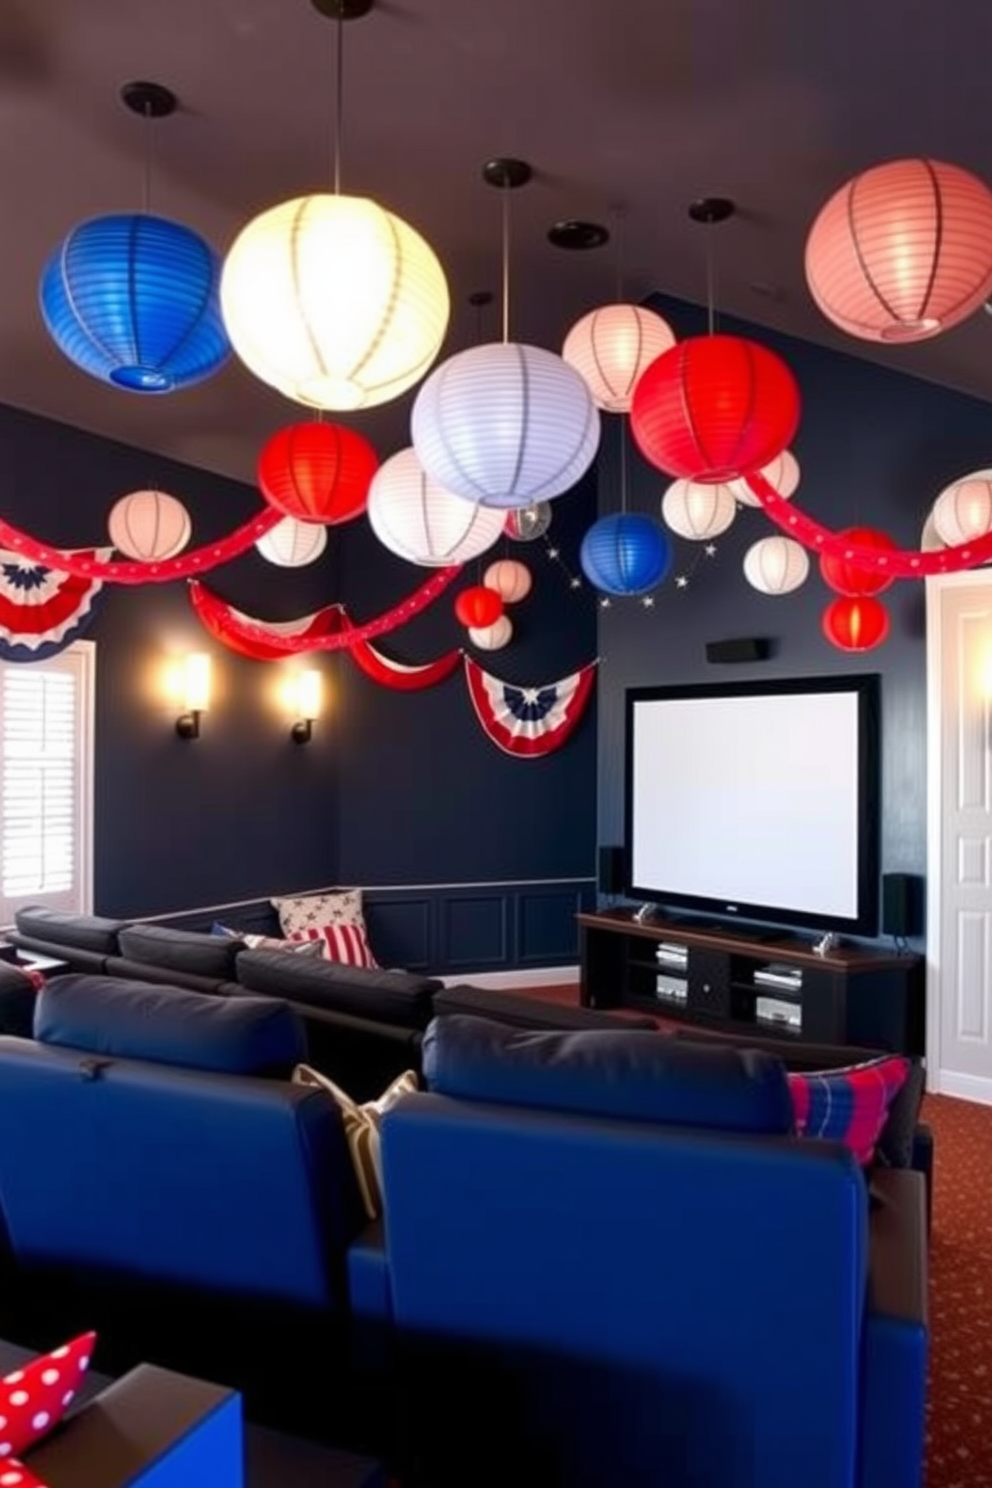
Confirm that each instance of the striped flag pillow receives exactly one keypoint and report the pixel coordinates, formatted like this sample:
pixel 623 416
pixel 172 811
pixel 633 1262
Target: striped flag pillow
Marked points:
pixel 848 1105
pixel 346 944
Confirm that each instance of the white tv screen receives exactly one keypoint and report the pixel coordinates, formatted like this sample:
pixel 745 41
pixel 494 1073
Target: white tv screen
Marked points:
pixel 756 800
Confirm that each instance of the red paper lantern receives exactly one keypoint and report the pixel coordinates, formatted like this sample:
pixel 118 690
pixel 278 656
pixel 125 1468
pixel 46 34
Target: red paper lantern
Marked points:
pixel 853 578
pixel 902 251
pixel 317 472
pixel 478 607
pixel 855 623
pixel 714 408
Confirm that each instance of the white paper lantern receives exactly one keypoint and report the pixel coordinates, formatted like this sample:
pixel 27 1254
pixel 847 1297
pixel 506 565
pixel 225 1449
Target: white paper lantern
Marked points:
pixel 610 348
pixel 930 539
pixel 776 565
pixel 510 579
pixel 505 424
pixel 149 525
pixel 782 475
pixel 963 510
pixel 334 301
pixel 293 544
pixel 493 637
pixel 698 511
pixel 418 520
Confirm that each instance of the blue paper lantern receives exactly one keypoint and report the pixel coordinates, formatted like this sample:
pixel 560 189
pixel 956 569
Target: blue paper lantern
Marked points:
pixel 133 300
pixel 628 553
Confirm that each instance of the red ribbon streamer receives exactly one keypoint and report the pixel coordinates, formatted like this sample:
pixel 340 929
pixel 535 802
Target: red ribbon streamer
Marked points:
pixel 221 620
pixel 399 677
pixel 900 563
pixel 135 571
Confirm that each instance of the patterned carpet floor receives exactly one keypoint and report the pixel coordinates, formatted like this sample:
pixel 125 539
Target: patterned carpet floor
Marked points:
pixel 959 1434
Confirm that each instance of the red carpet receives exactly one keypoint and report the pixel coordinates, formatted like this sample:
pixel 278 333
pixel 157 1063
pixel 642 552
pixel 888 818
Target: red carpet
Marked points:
pixel 959 1440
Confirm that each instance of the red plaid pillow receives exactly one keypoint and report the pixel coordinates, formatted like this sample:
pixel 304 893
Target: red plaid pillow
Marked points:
pixel 347 944
pixel 848 1105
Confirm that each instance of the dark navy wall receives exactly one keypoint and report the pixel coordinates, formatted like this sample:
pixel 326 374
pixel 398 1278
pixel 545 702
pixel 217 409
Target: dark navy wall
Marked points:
pixel 395 788
pixel 876 447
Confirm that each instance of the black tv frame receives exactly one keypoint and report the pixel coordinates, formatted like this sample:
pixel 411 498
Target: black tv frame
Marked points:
pixel 867 687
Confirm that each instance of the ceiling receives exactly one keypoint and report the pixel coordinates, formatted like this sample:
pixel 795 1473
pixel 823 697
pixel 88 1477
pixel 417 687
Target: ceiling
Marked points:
pixel 627 110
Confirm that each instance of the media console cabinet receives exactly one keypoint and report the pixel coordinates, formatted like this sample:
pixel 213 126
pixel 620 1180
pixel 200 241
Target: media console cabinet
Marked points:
pixel 738 979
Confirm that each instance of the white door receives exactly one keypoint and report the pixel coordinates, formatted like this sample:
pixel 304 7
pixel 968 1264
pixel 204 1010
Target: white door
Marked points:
pixel 959 834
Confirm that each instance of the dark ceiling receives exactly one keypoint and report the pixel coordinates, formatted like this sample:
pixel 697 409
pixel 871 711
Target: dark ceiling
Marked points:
pixel 626 110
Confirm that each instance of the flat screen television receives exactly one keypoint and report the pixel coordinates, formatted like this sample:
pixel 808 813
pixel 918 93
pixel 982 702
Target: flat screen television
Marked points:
pixel 756 800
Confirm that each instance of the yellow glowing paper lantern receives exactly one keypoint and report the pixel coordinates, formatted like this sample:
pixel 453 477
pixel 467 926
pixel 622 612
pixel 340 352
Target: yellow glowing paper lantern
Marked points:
pixel 334 301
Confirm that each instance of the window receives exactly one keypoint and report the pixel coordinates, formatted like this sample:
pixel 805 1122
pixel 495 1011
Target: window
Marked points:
pixel 46 782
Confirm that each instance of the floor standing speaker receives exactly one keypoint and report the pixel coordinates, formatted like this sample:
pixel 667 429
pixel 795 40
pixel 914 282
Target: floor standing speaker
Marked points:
pixel 902 904
pixel 611 870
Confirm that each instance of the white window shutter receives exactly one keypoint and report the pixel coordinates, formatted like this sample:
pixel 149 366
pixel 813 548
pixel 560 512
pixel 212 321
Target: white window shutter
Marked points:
pixel 46 782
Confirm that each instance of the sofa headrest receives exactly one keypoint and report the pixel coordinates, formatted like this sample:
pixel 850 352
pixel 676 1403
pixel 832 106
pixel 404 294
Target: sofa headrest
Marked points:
pixel 631 1074
pixel 191 951
pixel 168 1025
pixel 90 932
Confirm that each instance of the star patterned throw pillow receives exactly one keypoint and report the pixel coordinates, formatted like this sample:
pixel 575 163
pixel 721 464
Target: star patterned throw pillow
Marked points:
pixel 334 920
pixel 33 1399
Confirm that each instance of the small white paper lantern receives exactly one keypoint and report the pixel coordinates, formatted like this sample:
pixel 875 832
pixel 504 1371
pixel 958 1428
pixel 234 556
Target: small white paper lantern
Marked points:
pixel 776 565
pixel 493 637
pixel 149 526
pixel 505 424
pixel 782 475
pixel 510 579
pixel 334 301
pixel 963 510
pixel 610 348
pixel 698 511
pixel 293 544
pixel 417 519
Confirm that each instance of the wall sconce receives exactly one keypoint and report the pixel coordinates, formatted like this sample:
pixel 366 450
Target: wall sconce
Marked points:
pixel 307 699
pixel 196 694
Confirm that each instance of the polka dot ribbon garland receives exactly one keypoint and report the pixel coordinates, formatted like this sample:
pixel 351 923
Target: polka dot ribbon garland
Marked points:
pixel 901 563
pixel 256 633
pixel 33 1400
pixel 127 571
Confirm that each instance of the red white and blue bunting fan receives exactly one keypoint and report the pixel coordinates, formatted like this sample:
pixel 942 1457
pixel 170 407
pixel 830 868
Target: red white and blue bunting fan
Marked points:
pixel 42 609
pixel 529 721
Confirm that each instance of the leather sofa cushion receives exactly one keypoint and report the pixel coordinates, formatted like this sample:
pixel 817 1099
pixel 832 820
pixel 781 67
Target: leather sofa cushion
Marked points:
pixel 635 1075
pixel 181 950
pixel 90 932
pixel 168 1025
pixel 397 997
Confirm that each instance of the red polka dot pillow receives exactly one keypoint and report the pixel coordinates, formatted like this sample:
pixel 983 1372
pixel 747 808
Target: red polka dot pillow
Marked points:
pixel 335 920
pixel 849 1105
pixel 33 1399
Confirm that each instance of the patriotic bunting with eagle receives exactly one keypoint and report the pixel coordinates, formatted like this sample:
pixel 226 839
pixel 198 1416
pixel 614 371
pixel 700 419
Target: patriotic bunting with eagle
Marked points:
pixel 42 610
pixel 528 721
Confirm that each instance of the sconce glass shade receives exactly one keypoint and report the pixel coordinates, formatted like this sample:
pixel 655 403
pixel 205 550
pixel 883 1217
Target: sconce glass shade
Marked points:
pixel 963 510
pixel 478 607
pixel 505 424
pixel 492 637
pixel 418 520
pixel 334 301
pixel 196 682
pixel 317 472
pixel 845 577
pixel 627 553
pixel 510 579
pixel 855 623
pixel 611 347
pixel 134 301
pixel 783 475
pixel 698 510
pixel 149 525
pixel 903 251
pixel 293 544
pixel 714 408
pixel 776 565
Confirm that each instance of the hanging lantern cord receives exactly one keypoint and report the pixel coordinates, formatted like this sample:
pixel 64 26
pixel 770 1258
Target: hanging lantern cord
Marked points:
pixel 146 193
pixel 506 264
pixel 711 210
pixel 338 99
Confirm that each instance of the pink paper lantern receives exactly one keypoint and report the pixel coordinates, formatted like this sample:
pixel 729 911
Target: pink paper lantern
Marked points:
pixel 903 251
